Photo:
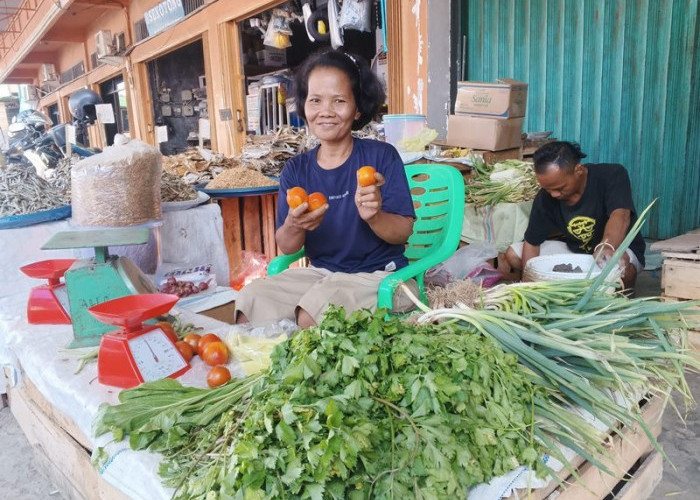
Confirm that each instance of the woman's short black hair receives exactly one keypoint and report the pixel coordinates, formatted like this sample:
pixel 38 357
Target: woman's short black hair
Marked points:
pixel 565 155
pixel 366 87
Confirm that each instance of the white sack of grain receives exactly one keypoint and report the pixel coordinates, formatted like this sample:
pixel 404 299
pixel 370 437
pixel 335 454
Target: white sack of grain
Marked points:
pixel 118 187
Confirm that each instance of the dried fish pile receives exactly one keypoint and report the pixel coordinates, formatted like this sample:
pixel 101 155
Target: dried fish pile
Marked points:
pixel 194 167
pixel 173 188
pixel 240 177
pixel 60 176
pixel 269 153
pixel 265 153
pixel 23 192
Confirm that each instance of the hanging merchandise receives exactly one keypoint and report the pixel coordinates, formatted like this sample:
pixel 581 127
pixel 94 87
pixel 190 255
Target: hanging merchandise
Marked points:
pixel 355 15
pixel 316 22
pixel 335 29
pixel 278 30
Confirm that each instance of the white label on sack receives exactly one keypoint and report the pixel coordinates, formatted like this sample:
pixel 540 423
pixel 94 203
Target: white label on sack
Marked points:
pixel 105 113
pixel 162 134
pixel 70 134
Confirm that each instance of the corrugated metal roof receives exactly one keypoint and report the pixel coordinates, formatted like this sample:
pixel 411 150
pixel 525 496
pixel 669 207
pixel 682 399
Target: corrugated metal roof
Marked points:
pixel 620 77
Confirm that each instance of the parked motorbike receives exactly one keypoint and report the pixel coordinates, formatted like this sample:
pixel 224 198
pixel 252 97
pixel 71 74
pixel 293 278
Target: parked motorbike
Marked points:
pixel 25 129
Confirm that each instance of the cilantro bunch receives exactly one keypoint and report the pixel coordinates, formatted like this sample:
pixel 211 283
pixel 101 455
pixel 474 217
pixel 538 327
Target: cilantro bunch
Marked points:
pixel 365 407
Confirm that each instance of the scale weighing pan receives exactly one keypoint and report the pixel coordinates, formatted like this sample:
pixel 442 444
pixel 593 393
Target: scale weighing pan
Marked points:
pixel 137 352
pixel 48 304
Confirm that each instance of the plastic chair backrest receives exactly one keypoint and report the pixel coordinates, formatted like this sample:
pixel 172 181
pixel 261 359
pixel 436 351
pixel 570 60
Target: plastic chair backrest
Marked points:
pixel 438 199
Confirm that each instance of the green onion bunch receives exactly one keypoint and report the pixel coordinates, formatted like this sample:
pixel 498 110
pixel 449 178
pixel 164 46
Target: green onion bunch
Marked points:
pixel 510 181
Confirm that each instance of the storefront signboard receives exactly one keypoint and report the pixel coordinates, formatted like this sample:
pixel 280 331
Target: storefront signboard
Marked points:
pixel 165 14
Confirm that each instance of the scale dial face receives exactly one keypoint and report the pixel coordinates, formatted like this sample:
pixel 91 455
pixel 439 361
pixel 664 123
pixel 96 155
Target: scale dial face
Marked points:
pixel 155 355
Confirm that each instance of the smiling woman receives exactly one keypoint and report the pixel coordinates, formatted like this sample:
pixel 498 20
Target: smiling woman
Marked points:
pixel 357 235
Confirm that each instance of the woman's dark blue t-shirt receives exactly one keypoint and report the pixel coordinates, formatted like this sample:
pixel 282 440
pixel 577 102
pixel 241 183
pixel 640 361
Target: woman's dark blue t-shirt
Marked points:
pixel 344 242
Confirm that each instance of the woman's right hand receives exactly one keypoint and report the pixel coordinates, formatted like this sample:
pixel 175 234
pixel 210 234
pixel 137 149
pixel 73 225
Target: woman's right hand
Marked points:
pixel 302 218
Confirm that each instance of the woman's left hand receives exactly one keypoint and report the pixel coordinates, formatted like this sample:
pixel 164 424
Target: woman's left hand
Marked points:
pixel 368 199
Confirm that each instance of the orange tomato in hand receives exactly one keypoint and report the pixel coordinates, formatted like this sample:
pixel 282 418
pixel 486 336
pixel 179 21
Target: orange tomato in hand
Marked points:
pixel 209 337
pixel 185 349
pixel 316 201
pixel 296 196
pixel 365 176
pixel 214 353
pixel 217 376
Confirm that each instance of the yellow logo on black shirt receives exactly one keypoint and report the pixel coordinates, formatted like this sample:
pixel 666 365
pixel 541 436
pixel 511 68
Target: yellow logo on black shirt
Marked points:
pixel 582 228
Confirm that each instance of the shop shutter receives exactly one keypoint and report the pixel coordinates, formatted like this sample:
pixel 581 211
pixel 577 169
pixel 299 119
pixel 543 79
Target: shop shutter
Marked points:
pixel 620 77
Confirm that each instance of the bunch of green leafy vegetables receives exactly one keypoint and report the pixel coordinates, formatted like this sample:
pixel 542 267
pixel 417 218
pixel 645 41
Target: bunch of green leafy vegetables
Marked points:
pixel 359 407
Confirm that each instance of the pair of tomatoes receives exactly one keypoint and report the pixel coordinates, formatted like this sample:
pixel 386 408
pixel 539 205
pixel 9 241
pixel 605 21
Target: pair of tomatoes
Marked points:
pixel 213 352
pixel 297 195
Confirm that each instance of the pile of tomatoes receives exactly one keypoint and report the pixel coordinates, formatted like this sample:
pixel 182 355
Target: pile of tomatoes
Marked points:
pixel 209 347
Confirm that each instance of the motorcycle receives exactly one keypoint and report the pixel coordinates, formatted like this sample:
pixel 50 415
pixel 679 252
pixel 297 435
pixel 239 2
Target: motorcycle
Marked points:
pixel 51 147
pixel 25 129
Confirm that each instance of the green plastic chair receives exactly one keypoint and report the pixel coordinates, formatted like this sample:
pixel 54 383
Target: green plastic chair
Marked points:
pixel 438 199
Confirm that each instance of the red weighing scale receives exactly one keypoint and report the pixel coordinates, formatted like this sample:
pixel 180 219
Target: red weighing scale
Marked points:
pixel 48 304
pixel 137 353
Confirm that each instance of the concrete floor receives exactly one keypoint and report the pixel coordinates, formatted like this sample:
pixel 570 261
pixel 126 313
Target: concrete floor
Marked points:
pixel 20 479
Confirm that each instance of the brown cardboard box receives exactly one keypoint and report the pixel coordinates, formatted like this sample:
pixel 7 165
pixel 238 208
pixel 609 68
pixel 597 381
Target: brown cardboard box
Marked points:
pixel 505 99
pixel 476 132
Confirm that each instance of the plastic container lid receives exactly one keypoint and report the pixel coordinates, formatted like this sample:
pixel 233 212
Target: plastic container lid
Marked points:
pixel 403 117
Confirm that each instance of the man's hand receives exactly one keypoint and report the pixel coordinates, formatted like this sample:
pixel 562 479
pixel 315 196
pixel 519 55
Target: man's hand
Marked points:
pixel 604 252
pixel 302 218
pixel 368 199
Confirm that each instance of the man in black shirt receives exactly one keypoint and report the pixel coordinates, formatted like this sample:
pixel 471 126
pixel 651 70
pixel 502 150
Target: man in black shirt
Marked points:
pixel 589 205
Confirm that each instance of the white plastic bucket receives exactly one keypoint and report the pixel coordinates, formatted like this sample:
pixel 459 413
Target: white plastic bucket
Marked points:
pixel 541 268
pixel 400 127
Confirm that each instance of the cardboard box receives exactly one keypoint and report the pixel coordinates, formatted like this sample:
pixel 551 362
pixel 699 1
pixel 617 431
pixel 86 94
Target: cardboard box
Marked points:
pixel 476 132
pixel 505 99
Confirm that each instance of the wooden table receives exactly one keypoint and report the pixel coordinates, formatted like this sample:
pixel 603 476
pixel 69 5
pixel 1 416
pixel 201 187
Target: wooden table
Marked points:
pixel 249 217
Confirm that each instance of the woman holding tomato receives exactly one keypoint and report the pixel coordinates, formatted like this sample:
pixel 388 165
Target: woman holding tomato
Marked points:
pixel 355 239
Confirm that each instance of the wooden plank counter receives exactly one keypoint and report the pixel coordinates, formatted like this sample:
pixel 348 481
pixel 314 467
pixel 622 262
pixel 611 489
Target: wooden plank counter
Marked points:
pixel 632 459
pixel 249 225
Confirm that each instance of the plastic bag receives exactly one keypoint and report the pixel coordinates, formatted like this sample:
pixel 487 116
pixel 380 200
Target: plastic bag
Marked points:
pixel 486 275
pixel 252 344
pixel 186 281
pixel 252 266
pixel 118 187
pixel 356 15
pixel 278 31
pixel 464 261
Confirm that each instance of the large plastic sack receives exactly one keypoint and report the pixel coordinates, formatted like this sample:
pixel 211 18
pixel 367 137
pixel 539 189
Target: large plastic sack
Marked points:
pixel 500 225
pixel 118 187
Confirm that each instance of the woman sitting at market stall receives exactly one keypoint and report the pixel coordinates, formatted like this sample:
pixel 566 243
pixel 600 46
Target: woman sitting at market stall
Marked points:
pixel 590 205
pixel 357 237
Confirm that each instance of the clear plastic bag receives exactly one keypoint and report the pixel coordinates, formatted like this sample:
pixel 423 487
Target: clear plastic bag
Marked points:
pixel 464 261
pixel 356 15
pixel 252 266
pixel 485 275
pixel 278 31
pixel 186 281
